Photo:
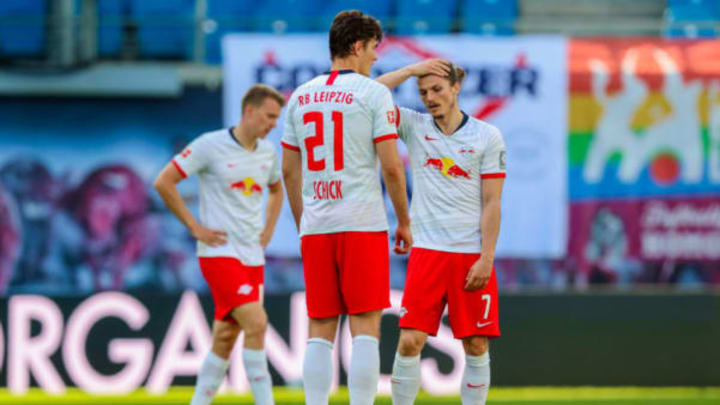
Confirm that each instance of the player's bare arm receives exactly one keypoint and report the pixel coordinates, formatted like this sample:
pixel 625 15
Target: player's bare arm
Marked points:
pixel 166 186
pixel 393 79
pixel 393 173
pixel 272 212
pixel 480 272
pixel 292 174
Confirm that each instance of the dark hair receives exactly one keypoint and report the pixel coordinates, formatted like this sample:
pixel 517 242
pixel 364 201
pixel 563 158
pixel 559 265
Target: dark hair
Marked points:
pixel 349 27
pixel 257 95
pixel 456 75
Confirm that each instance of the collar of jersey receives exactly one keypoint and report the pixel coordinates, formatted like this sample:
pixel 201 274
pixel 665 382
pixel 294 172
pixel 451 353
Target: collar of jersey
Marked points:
pixel 340 72
pixel 462 124
pixel 238 142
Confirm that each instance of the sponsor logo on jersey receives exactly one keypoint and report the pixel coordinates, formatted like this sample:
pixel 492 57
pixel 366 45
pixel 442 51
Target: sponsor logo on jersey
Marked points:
pixel 447 167
pixel 483 324
pixel 427 138
pixel 186 153
pixel 476 386
pixel 391 116
pixel 247 186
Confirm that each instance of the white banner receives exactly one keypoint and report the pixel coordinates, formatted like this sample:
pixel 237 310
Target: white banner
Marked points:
pixel 518 84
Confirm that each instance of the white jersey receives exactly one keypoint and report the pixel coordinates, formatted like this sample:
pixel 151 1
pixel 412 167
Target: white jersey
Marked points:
pixel 334 121
pixel 447 172
pixel 231 182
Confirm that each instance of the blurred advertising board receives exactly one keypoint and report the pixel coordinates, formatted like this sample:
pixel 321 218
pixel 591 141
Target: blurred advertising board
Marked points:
pixel 644 157
pixel 114 342
pixel 513 83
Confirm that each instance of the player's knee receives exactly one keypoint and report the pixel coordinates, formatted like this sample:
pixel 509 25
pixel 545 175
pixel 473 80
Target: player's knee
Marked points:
pixel 410 344
pixel 224 341
pixel 257 325
pixel 227 334
pixel 476 345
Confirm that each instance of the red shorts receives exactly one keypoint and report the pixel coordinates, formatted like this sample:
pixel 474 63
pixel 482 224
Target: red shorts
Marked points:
pixel 232 284
pixel 346 273
pixel 435 278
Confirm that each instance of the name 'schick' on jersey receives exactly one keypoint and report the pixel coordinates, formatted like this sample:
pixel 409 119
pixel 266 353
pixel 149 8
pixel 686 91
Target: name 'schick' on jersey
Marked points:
pixel 335 121
pixel 326 189
pixel 329 189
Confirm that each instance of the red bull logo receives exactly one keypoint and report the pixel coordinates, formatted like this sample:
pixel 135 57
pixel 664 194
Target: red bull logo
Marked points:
pixel 447 167
pixel 247 186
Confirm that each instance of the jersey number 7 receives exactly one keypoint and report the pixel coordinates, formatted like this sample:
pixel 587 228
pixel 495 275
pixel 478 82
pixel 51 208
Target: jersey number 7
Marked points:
pixel 318 140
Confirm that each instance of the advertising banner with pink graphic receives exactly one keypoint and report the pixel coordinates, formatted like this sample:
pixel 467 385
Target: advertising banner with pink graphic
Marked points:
pixel 644 159
pixel 514 83
pixel 648 240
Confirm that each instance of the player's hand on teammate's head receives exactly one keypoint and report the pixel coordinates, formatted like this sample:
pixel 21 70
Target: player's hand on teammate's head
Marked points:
pixel 438 67
pixel 209 236
pixel 403 240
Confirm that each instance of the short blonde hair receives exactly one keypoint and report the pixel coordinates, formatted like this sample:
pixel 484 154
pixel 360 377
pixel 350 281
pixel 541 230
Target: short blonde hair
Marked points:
pixel 258 93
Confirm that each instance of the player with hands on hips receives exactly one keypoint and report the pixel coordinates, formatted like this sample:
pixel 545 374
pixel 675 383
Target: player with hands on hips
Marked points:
pixel 234 167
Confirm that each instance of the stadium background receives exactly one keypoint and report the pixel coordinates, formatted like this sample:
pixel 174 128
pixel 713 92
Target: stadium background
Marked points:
pixel 614 283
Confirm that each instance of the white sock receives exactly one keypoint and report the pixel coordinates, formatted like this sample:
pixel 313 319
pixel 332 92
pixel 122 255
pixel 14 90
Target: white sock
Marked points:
pixel 476 380
pixel 209 378
pixel 364 370
pixel 258 375
pixel 317 371
pixel 405 379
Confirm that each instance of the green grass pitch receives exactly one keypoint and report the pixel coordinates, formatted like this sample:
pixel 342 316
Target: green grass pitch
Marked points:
pixel 498 395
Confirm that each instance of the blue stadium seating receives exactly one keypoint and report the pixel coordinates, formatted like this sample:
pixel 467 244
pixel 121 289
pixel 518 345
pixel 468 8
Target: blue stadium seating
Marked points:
pixel 165 28
pixel 694 10
pixel 283 16
pixel 22 27
pixel 382 10
pixel 425 16
pixel 692 18
pixel 493 17
pixel 111 18
pixel 691 11
pixel 690 30
pixel 225 16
